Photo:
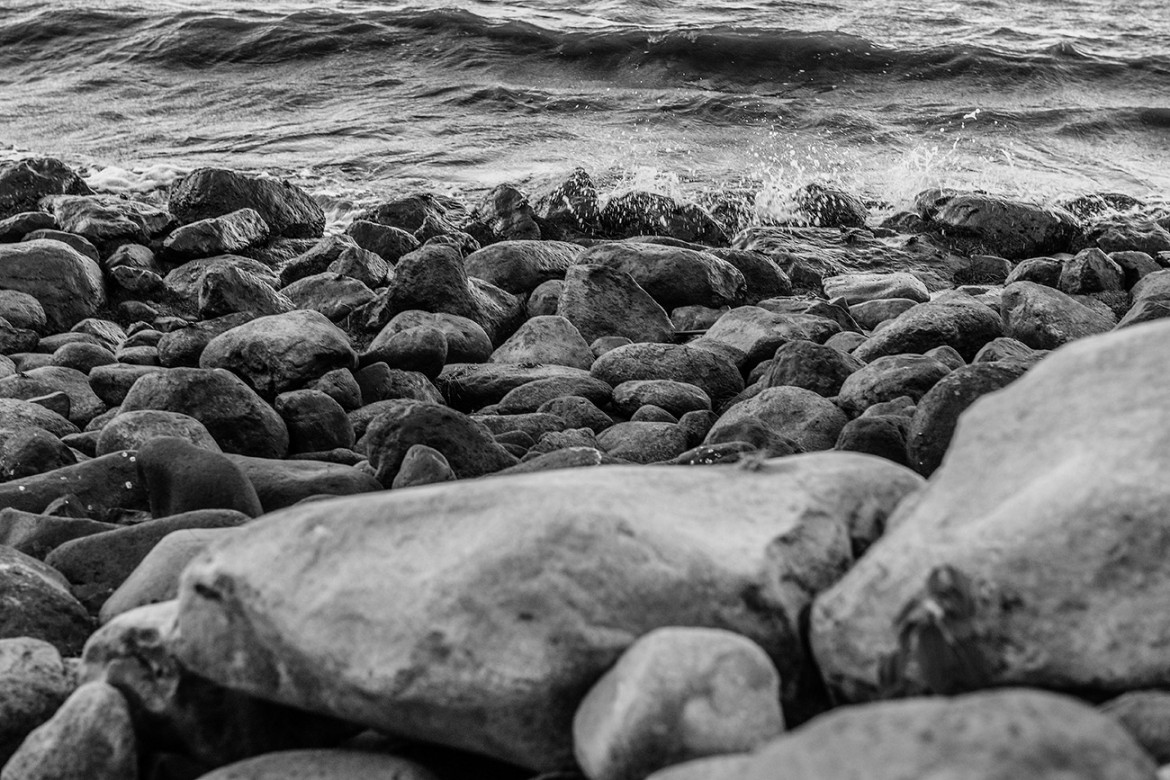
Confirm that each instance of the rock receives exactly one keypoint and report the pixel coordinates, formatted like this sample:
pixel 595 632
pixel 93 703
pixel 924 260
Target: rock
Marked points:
pixel 1134 266
pixel 507 216
pixel 823 206
pixel 82 357
pixel 643 442
pixel 181 477
pixel 379 382
pixel 677 694
pixel 673 276
pixel 23 311
pixel 130 430
pixel 889 377
pixel 983 269
pixel 647 213
pixel 281 483
pixel 317 259
pixel 1041 270
pixel 96 565
pixel 467 342
pixel 469 450
pixel 677 398
pixel 90 738
pixel 883 435
pixel 865 287
pixel 238 419
pixel 15 340
pixel 1007 349
pixel 512 619
pixel 602 301
pixel 530 396
pixel 184 345
pixel 870 314
pixel 389 243
pixel 33 684
pixel 806 418
pixel 953 319
pixel 16 227
pixel 469 386
pixel 763 277
pixel 80 243
pixel 754 331
pixel 99 484
pixel 1011 733
pixel 571 205
pixel 84 404
pixel 1044 318
pixel 213 192
pixel 1138 235
pixel 578 412
pixel 1151 300
pixel 533 426
pixel 281 352
pixel 1146 716
pixel 107 220
pixel 520 266
pixel 227 290
pixel 36 535
pixel 315 421
pixel 38 605
pixel 24 182
pixel 1090 271
pixel 363 266
pixel 321 765
pixel 331 294
pixel 423 465
pixel 67 284
pixel 815 367
pixel 938 410
pixel 1007 228
pixel 714 375
pixel 222 235
pixel 185 281
pixel 340 385
pixel 29 451
pixel 422 349
pixel 571 438
pixel 1031 615
pixel 551 340
pixel 134 256
pixel 545 298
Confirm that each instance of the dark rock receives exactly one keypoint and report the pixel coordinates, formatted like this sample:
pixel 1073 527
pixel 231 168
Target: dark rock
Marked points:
pixel 520 266
pixel 552 339
pixel 545 298
pixel 676 398
pixel 38 605
pixel 84 404
pixel 889 377
pixel 883 435
pixel 28 451
pixel 23 311
pixel 673 276
pixel 14 340
pixel 231 411
pixel 696 318
pixel 1151 300
pixel 570 438
pixel 80 243
pixel 953 319
pixel 82 357
pixel 389 243
pixel 507 215
pixel 334 295
pixel 226 234
pixel 813 422
pixel 282 483
pixel 822 206
pixel 1007 228
pixel 466 340
pixel 412 213
pixel 421 348
pixel 107 220
pixel 36 535
pixel 340 385
pixel 531 395
pixel 653 414
pixel 33 684
pixel 1044 318
pixel 134 256
pixel 1129 235
pixel 696 425
pixel 534 425
pixel 469 449
pixel 643 442
pixel 470 386
pixel 1100 204
pixel 317 259
pixel 67 284
pixel 716 376
pixel 315 421
pixel 423 465
pixel 859 288
pixel 24 182
pixel 1007 349
pixel 602 301
pixel 18 413
pixel 755 332
pixel 1089 272
pixel 983 269
pixel 577 412
pixel 815 367
pixel 379 382
pixel 227 290
pixel 186 281
pixel 131 430
pixel 16 227
pixel 1134 265
pixel 366 267
pixel 947 355
pixel 571 205
pixel 212 192
pixel 1146 716
pixel 647 213
pixel 184 346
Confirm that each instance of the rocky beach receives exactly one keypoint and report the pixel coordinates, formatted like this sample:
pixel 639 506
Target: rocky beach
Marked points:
pixel 564 483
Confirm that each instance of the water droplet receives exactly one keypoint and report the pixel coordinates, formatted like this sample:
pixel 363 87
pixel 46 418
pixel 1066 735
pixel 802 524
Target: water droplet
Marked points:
pixel 129 485
pixel 132 459
pixel 22 488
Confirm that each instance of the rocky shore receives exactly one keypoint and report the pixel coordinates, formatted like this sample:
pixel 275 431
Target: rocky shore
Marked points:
pixel 559 485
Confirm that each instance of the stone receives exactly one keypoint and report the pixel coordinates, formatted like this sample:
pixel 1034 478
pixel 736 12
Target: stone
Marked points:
pixel 1090 271
pixel 315 421
pixel 938 410
pixel 331 294
pixel 522 590
pixel 507 215
pixel 67 284
pixel 983 269
pixel 227 289
pixel 815 367
pixel 363 266
pixel 953 319
pixel 864 287
pixel 23 311
pixel 36 535
pixel 183 345
pixel 321 765
pixel 469 386
pixel 521 266
pixel 1005 348
pixel 570 205
pixel 108 220
pixel 134 256
pixel 716 376
pixel 34 683
pixel 213 192
pixel 1140 235
pixel 29 451
pixel 1134 266
pixel 762 277
pixel 755 331
pixel 84 404
pixel 551 339
pixel 112 382
pixel 1151 300
pixel 1047 545
pixel 821 206
pixel 1007 228
pixel 317 259
pixel 222 235
pixel 870 314
pixel 423 465
pixel 421 348
pixel 131 430
pixel 673 276
pixel 389 243
pixel 889 377
pixel 185 281
pixel 469 450
pixel 16 227
pixel 24 182
pixel 467 342
pixel 544 298
pixel 640 213
pixel 1146 716
pixel 1041 270
pixel 100 484
pixel 238 419
pixel 1044 318
pixel 675 695
pixel 1009 733
pixel 643 442
pixel 602 301
pixel 90 738
pixel 281 352
pixel 281 483
pixel 947 355
pixel 570 438
pixel 80 243
pixel 675 397
pixel 379 382
pixel 82 357
pixel 530 396
pixel 805 417
pixel 533 425
pixel 883 435
pixel 38 604
pixel 181 476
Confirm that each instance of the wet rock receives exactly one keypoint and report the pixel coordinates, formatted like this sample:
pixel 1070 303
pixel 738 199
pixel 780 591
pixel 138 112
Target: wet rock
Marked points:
pixel 389 243
pixel 551 340
pixel 421 348
pixel 107 220
pixel 677 694
pixel 99 484
pixel 481 624
pixel 82 357
pixel 953 319
pixel 24 182
pixel 315 421
pixel 870 314
pixel 466 340
pixel 340 385
pixel 16 227
pixel 423 465
pixel 1135 266
pixel 15 340
pixel 889 377
pixel 1041 270
pixel 755 332
pixel 601 301
pixel 1019 594
pixel 80 243
pixel 673 276
pixel 90 738
pixel 883 435
pixel 815 367
pixel 1044 318
pixel 860 288
pixel 822 206
pixel 520 266
pixel 764 279
pixel 280 352
pixel 533 425
pixel 213 192
pixel 334 295
pixel 379 382
pixel 1090 271
pixel 38 605
pixel 983 269
pixel 1151 300
pixel 577 412
pixel 938 410
pixel 238 419
pixel 183 346
pixel 227 290
pixel 470 450
pixel 134 256
pixel 1008 349
pixel 1138 235
pixel 185 281
pixel 1007 228
pixel 552 441
pixel 84 404
pixel 808 419
pixel 226 234
pixel 647 213
pixel 716 376
pixel 571 205
pixel 507 215
pixel 67 284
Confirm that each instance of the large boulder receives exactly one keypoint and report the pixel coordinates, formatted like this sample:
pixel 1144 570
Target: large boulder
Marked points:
pixel 890 377
pixel 522 593
pixel 639 213
pixel 1045 318
pixel 519 266
pixel 66 283
pixel 549 339
pixel 24 182
pixel 238 419
pixel 810 420
pixel 281 352
pixel 864 287
pixel 212 192
pixel 1014 733
pixel 953 319
pixel 817 367
pixel 38 604
pixel 1037 544
pixel 1007 228
pixel 715 375
pixel 222 235
pixel 674 276
pixel 33 684
pixel 466 340
pixel 604 301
